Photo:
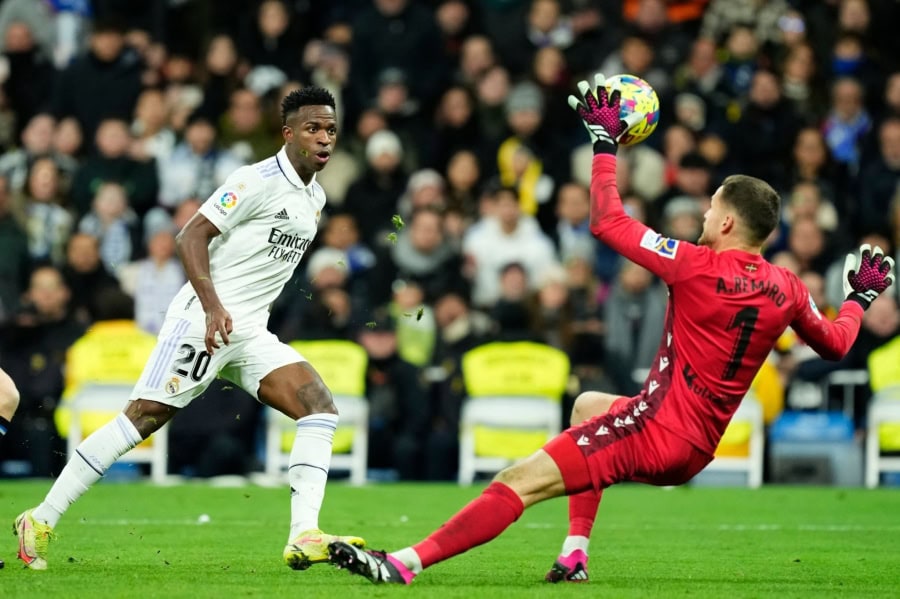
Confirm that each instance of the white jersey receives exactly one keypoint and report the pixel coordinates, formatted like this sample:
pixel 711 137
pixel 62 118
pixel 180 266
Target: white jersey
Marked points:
pixel 267 218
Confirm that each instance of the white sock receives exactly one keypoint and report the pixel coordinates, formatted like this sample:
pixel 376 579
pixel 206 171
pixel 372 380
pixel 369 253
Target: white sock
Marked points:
pixel 573 543
pixel 308 470
pixel 409 558
pixel 91 460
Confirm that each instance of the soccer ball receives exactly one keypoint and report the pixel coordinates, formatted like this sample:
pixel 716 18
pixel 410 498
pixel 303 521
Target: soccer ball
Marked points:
pixel 637 95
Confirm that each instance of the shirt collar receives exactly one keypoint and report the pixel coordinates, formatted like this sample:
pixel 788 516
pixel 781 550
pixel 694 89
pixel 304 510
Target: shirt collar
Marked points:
pixel 288 170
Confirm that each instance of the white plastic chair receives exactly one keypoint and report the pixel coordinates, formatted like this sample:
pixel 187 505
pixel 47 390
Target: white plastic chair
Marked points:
pixel 750 413
pixel 513 405
pixel 103 401
pixel 883 409
pixel 354 415
pixel 342 365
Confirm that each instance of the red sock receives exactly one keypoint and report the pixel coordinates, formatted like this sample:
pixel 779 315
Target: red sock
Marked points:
pixel 582 512
pixel 483 519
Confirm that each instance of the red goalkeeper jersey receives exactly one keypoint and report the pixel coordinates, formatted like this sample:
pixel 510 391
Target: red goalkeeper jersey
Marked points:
pixel 726 310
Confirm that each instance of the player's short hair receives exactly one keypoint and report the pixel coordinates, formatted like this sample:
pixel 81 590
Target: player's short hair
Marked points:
pixel 757 204
pixel 306 96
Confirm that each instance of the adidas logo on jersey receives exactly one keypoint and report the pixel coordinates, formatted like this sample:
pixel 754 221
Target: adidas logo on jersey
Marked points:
pixel 283 215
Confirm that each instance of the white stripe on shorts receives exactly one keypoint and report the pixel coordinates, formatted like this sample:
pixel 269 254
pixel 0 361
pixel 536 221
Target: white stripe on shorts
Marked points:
pixel 167 348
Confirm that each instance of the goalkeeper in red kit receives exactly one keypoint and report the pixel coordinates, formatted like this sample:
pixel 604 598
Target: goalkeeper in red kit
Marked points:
pixel 727 306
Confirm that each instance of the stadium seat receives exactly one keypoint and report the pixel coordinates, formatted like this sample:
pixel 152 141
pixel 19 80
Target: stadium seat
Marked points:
pixel 342 365
pixel 101 369
pixel 883 432
pixel 513 404
pixel 741 447
pixel 95 404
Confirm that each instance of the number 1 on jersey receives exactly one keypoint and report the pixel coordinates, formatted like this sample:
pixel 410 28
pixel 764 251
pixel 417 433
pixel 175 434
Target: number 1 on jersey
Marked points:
pixel 745 322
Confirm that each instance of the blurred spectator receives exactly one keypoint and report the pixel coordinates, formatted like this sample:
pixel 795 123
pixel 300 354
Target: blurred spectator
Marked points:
pixel 880 179
pixel 456 127
pixel 801 84
pixel 197 166
pixel 221 75
pixel 634 314
pixel 414 323
pixel 508 236
pixel 244 132
pixel 215 435
pixel 37 142
pixel 760 134
pixel 317 304
pixel 693 179
pixel 423 255
pixel 808 243
pixel 37 17
pixel 425 189
pixel 153 138
pixel 573 212
pixel 637 56
pixel 272 40
pixel 16 263
pixel 396 34
pixel 722 15
pixel 652 21
pixel 585 293
pixel 342 233
pixel 742 58
pixel 153 281
pixel 86 277
pixel 457 19
pixel 403 114
pixel 492 91
pixel 39 206
pixel 702 75
pixel 678 141
pixel 552 312
pixel 115 225
pixel 511 312
pixel 68 145
pixel 112 163
pixel 399 411
pixel 459 329
pixel 112 73
pixel 683 219
pixel 463 177
pixel 847 123
pixel 30 73
pixel 525 159
pixel 34 349
pixel 329 66
pixel 476 57
pixel 849 60
pixel 372 199
pixel 812 163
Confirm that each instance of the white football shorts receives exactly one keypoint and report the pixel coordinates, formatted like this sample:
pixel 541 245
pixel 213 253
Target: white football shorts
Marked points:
pixel 180 369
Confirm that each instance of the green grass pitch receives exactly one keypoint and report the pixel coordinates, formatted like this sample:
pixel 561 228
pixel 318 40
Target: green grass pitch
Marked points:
pixel 135 540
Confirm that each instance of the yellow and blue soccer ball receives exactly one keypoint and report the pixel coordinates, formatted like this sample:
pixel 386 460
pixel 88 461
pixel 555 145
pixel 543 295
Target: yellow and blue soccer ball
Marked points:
pixel 637 96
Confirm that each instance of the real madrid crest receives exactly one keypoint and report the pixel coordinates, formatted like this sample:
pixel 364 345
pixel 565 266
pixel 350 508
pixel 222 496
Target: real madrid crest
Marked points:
pixel 172 385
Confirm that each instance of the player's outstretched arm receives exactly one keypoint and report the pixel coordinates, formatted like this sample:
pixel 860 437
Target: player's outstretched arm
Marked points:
pixel 867 274
pixel 193 249
pixel 599 109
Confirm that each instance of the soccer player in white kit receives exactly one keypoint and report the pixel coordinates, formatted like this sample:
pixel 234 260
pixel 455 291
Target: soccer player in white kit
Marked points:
pixel 238 252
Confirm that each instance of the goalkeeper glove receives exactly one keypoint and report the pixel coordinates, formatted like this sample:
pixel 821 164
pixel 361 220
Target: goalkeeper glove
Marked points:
pixel 599 110
pixel 867 275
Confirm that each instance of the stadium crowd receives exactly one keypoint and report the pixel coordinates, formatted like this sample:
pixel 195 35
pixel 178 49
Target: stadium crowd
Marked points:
pixel 458 195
